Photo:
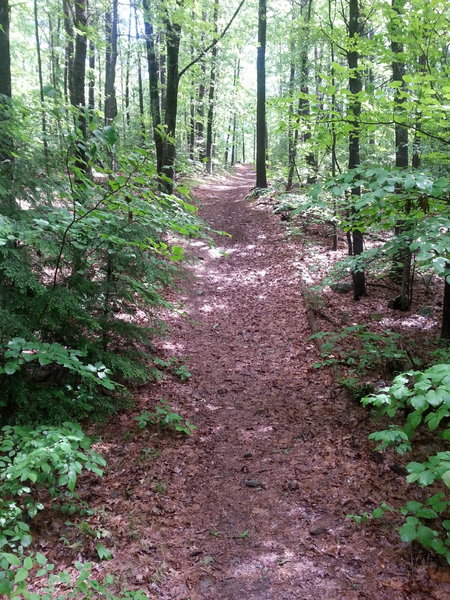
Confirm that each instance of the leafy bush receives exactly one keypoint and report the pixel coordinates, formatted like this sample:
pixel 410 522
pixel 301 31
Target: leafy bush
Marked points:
pixel 78 260
pixel 18 573
pixel 423 399
pixel 362 350
pixel 49 458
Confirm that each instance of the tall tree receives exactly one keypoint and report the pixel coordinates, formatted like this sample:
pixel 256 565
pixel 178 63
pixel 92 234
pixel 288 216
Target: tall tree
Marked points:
pixel 111 21
pixel 402 268
pixel 77 79
pixel 41 85
pixel 211 95
pixel 355 87
pixel 154 85
pixel 7 202
pixel 261 177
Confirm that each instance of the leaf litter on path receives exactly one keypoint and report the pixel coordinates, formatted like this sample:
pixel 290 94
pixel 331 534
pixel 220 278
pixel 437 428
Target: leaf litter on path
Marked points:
pixel 279 452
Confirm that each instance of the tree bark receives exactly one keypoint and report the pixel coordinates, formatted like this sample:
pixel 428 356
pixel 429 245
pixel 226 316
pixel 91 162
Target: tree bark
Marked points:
pixel 154 86
pixel 41 86
pixel 402 261
pixel 261 177
pixel 77 94
pixel 173 37
pixel 8 205
pixel 69 49
pixel 111 20
pixel 355 87
pixel 212 88
pixel 139 70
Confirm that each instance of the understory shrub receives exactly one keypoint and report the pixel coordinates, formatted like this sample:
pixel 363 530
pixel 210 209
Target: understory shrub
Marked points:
pixel 83 267
pixel 421 399
pixel 35 460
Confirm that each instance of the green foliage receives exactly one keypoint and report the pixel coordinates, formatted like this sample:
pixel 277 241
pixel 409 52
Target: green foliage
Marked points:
pixel 18 574
pixel 83 264
pixel 362 350
pixel 35 459
pixel 422 398
pixel 164 416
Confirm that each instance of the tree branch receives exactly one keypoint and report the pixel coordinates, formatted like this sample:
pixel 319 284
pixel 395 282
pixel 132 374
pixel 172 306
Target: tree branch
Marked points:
pixel 213 43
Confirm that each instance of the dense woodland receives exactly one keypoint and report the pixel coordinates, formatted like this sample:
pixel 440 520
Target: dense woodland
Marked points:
pixel 108 111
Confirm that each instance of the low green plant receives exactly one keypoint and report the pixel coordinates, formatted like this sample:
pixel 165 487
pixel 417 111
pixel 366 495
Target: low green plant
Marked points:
pixel 18 574
pixel 423 396
pixel 32 459
pixel 175 366
pixel 362 352
pixel 422 399
pixel 164 416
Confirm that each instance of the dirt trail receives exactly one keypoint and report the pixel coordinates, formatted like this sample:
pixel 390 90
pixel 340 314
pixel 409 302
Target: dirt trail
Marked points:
pixel 252 506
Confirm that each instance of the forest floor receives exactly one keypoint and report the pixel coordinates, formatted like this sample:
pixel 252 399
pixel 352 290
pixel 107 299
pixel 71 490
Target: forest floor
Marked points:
pixel 253 504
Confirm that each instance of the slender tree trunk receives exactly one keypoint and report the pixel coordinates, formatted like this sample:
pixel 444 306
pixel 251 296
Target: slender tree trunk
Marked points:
pixel 334 162
pixel 233 141
pixel 212 87
pixel 111 20
pixel 127 74
pixel 139 72
pixel 154 86
pixel 355 87
pixel 162 66
pixel 7 203
pixel 227 143
pixel 91 81
pixel 290 133
pixel 261 177
pixel 69 49
pixel 401 271
pixel 173 37
pixel 41 87
pixel 77 82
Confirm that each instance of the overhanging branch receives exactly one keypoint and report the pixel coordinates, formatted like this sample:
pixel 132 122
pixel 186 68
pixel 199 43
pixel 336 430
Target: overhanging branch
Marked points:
pixel 213 43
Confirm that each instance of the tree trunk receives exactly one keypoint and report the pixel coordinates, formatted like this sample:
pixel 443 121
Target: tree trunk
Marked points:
pixel 154 86
pixel 91 83
pixel 261 177
pixel 111 19
pixel 127 74
pixel 69 50
pixel 7 205
pixel 77 95
pixel 212 88
pixel 290 133
pixel 173 37
pixel 139 70
pixel 445 329
pixel 401 271
pixel 41 86
pixel 355 87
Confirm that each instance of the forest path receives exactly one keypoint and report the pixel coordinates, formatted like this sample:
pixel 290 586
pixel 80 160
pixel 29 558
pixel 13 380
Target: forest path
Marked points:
pixel 252 506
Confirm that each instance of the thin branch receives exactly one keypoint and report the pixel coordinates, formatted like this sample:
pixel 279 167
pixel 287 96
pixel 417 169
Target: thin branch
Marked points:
pixel 393 122
pixel 213 43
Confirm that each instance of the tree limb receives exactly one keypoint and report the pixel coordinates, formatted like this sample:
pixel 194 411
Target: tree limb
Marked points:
pixel 213 43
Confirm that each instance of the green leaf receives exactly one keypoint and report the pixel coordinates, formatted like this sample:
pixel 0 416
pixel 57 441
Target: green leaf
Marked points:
pixel 408 531
pixel 446 478
pixel 12 559
pixel 21 575
pixel 41 559
pixel 103 553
